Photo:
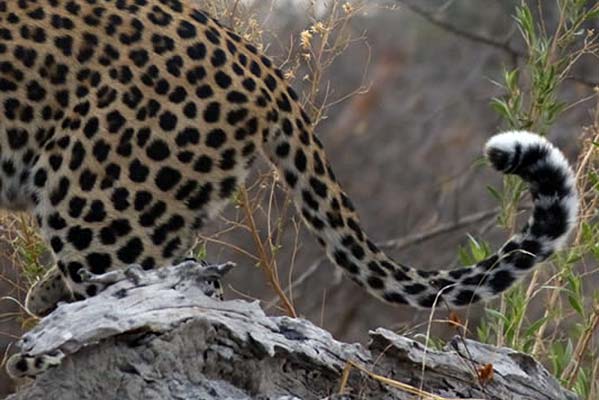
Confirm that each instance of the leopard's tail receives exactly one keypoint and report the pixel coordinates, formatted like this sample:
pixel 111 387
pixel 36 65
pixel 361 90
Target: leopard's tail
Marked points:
pixel 328 212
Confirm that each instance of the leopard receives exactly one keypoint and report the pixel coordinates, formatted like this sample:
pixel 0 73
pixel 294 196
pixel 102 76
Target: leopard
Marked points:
pixel 125 125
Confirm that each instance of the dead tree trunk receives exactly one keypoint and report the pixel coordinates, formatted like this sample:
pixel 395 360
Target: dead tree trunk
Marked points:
pixel 156 335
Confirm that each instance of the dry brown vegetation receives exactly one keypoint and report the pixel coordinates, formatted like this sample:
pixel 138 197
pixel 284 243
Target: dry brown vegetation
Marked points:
pixel 403 106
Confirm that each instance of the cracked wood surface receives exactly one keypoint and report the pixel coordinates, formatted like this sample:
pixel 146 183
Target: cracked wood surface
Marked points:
pixel 156 335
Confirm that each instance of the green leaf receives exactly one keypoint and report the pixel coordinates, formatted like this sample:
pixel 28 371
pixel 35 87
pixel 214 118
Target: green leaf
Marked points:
pixel 576 305
pixel 534 327
pixel 586 232
pixel 592 14
pixel 496 315
pixel 464 257
pixel 502 108
pixel 494 192
pixel 201 252
pixel 594 179
pixel 511 79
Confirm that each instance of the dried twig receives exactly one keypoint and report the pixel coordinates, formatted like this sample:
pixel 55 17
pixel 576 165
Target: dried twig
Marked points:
pixel 399 244
pixel 266 259
pixel 582 347
pixel 388 381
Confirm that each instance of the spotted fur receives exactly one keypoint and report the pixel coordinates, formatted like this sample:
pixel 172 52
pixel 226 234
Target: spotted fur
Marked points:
pixel 126 124
pixel 21 365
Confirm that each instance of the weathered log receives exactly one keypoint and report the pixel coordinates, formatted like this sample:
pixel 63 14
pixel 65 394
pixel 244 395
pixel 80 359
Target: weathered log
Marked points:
pixel 156 335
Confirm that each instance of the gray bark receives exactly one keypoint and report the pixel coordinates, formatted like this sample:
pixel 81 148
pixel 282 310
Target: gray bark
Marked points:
pixel 156 335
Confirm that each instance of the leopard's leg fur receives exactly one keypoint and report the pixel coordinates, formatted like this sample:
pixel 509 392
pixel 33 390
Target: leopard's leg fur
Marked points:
pixel 22 364
pixel 44 295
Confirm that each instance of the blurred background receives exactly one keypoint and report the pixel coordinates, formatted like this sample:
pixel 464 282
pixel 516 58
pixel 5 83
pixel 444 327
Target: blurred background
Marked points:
pixel 403 109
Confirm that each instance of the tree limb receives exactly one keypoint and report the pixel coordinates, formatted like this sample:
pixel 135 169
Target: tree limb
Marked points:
pixel 158 336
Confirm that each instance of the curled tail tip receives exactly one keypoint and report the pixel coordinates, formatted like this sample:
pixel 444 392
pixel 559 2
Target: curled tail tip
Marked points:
pixel 505 150
pixel 542 165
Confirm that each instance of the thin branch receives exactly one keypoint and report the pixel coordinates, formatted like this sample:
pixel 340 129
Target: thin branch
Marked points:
pixel 266 261
pixel 477 38
pixel 399 244
pixel 473 37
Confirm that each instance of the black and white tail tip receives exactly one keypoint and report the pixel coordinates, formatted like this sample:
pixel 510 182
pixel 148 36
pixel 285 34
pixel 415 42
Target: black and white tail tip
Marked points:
pixel 555 206
pixel 550 178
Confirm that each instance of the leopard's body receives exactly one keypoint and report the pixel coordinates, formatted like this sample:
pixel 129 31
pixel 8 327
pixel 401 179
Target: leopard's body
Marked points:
pixel 125 124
